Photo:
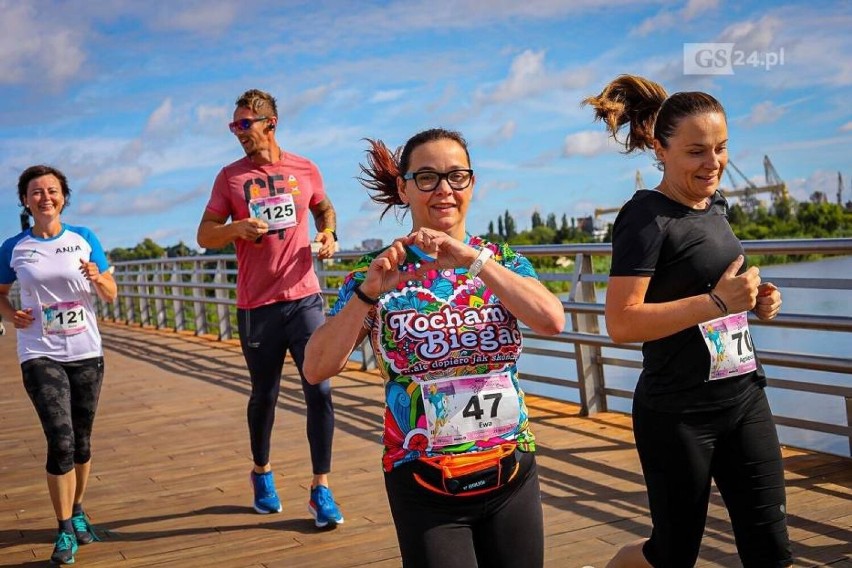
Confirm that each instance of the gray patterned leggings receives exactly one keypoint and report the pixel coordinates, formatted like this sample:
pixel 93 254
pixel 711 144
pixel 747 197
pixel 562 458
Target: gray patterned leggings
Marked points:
pixel 65 396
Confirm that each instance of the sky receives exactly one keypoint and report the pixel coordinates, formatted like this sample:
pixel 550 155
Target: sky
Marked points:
pixel 132 99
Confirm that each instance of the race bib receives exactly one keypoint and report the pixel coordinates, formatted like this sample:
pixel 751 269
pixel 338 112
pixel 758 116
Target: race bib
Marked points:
pixel 278 211
pixel 63 318
pixel 470 408
pixel 729 343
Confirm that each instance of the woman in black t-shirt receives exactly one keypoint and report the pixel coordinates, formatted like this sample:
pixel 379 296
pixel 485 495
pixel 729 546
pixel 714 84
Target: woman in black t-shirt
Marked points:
pixel 679 284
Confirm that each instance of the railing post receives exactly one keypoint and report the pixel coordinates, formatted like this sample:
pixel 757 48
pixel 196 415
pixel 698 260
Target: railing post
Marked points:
pixel 116 305
pixel 142 290
pixel 849 420
pixel 222 310
pixel 177 295
pixel 589 368
pixel 199 307
pixel 129 302
pixel 318 270
pixel 368 356
pixel 159 305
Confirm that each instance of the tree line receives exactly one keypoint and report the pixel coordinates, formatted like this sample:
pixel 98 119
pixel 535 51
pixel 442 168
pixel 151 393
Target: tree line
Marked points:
pixel 750 220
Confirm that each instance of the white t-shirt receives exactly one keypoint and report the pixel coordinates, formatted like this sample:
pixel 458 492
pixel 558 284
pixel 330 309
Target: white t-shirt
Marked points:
pixel 48 272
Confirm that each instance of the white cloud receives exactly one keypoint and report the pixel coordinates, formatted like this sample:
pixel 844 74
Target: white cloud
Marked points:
pixel 696 8
pixel 749 35
pixel 116 180
pixel 656 23
pixel 212 114
pixel 291 106
pixel 387 96
pixel 528 77
pixel 846 127
pixel 504 133
pixel 35 50
pixel 161 119
pixel 808 39
pixel 823 181
pixel 667 19
pixel 587 143
pixel 203 17
pixel 765 112
pixel 150 202
pixel 484 189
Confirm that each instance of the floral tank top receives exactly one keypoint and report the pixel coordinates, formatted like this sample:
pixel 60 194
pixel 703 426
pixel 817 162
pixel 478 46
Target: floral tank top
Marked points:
pixel 448 350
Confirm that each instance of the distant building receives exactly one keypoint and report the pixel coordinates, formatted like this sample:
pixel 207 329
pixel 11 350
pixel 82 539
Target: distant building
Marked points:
pixel 371 244
pixel 594 226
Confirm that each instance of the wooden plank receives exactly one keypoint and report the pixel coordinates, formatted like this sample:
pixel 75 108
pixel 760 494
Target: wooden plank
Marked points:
pixel 170 476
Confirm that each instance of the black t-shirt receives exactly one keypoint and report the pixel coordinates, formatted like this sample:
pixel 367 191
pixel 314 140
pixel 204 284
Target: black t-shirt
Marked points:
pixel 684 251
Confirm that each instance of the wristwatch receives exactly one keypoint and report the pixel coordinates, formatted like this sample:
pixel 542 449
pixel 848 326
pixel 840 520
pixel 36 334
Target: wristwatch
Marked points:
pixel 329 230
pixel 476 266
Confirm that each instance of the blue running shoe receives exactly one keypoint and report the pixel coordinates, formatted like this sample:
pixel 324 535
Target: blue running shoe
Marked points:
pixel 323 508
pixel 83 530
pixel 265 497
pixel 64 549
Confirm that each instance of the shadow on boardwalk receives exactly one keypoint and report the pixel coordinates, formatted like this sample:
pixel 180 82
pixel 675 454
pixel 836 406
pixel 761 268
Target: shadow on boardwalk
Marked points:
pixel 170 477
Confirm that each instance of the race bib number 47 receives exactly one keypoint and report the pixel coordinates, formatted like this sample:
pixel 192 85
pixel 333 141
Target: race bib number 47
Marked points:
pixel 63 318
pixel 278 211
pixel 470 408
pixel 729 343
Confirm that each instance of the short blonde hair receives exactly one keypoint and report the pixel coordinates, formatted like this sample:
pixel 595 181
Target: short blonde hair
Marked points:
pixel 259 102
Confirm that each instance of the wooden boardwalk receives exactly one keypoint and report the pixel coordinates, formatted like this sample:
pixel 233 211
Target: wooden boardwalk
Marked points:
pixel 170 476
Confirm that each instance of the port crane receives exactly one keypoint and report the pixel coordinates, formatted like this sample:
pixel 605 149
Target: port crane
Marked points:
pixel 774 185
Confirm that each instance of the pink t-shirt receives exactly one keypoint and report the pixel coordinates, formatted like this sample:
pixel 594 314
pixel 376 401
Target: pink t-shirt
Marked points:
pixel 280 267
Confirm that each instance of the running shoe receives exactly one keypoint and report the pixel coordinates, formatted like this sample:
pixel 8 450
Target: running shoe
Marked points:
pixel 323 508
pixel 265 497
pixel 64 549
pixel 83 530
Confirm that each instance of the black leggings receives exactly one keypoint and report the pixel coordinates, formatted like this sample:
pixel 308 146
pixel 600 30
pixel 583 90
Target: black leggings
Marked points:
pixel 499 529
pixel 65 396
pixel 738 448
pixel 266 333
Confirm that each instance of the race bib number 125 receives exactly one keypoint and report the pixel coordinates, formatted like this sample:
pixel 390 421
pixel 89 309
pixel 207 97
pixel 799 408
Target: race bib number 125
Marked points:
pixel 279 211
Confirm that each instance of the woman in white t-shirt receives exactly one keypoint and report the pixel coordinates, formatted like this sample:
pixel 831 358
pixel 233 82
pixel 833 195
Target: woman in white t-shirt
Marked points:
pixel 58 267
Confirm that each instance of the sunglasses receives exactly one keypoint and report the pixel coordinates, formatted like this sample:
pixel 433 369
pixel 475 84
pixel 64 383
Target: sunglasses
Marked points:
pixel 244 124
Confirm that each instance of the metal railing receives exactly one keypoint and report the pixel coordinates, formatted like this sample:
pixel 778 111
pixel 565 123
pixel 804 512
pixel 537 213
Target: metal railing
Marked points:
pixel 198 294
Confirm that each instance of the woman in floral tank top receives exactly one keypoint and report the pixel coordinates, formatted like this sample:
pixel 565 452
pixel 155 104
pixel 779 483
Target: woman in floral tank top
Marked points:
pixel 442 311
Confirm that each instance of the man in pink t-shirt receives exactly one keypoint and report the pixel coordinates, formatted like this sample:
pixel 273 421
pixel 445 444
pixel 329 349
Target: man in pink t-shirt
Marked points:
pixel 267 196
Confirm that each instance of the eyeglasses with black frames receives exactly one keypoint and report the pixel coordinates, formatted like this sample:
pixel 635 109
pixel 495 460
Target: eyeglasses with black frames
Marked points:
pixel 244 123
pixel 427 180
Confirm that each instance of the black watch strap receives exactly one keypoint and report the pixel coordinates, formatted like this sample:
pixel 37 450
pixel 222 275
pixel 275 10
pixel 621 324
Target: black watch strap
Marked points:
pixel 364 297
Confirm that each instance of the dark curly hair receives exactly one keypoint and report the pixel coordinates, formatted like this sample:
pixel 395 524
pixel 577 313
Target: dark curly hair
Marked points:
pixel 38 171
pixel 384 167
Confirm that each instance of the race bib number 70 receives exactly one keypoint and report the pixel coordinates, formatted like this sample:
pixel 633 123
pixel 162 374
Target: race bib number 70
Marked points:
pixel 729 342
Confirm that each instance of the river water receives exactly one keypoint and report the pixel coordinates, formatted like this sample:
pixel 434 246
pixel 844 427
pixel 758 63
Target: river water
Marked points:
pixel 817 407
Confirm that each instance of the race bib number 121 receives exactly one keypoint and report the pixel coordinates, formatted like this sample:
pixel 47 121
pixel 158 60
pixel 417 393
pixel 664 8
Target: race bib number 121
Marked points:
pixel 63 318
